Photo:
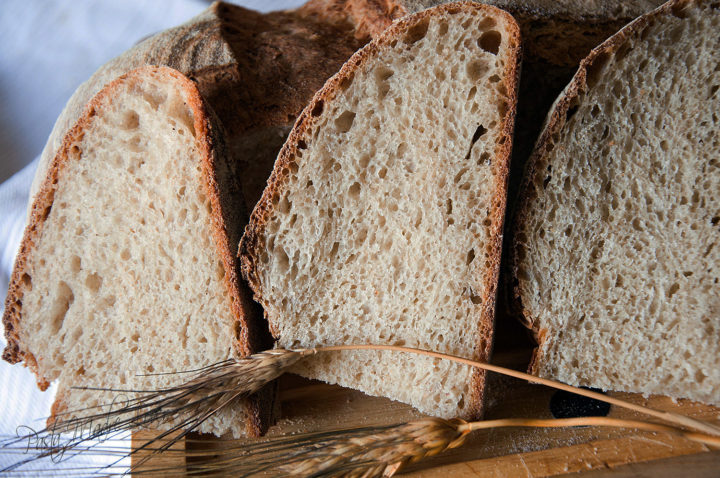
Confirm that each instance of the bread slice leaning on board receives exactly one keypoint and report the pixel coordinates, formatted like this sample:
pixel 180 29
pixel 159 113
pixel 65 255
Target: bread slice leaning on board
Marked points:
pixel 616 243
pixel 128 266
pixel 382 219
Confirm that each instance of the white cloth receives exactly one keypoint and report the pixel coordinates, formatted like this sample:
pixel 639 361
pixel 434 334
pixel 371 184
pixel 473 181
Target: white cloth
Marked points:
pixel 48 49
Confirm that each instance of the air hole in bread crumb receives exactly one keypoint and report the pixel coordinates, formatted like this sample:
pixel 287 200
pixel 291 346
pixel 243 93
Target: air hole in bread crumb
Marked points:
pixel 62 301
pixel 318 108
pixel 93 282
pixel 680 10
pixel 594 69
pixel 382 74
pixel 502 108
pixel 479 132
pixel 130 120
pixel 354 190
pixel 282 260
pixel 108 301
pixel 490 41
pixel 623 51
pixel 284 206
pixel 546 181
pixel 75 264
pixel 571 112
pixel 472 93
pixel 470 256
pixel 442 29
pixel 346 82
pixel 476 69
pixel 486 23
pixel 344 122
pixel 673 290
pixel 27 281
pixel 417 32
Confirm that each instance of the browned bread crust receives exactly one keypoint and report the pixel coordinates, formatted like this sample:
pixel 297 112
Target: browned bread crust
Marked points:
pixel 538 162
pixel 252 241
pixel 227 211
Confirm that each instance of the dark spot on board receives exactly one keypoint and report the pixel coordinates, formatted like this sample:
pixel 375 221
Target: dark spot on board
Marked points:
pixel 569 405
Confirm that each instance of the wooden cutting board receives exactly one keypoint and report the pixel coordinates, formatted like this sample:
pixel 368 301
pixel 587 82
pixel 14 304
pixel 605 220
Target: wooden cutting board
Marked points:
pixel 307 406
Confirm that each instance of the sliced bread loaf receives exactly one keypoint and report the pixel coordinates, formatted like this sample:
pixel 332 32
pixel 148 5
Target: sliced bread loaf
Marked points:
pixel 616 243
pixel 257 71
pixel 126 266
pixel 382 219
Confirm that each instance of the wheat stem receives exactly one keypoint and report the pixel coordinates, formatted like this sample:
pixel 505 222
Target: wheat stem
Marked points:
pixel 667 416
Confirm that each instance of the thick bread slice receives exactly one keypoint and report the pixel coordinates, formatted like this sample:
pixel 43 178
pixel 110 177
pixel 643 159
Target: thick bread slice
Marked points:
pixel 616 253
pixel 382 219
pixel 256 71
pixel 126 266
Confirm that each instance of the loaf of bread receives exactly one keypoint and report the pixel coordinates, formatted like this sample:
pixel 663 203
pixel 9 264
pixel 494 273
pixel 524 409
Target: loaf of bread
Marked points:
pixel 616 247
pixel 127 266
pixel 256 71
pixel 382 220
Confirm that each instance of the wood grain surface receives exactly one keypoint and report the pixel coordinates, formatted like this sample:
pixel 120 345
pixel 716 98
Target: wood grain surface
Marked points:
pixel 307 406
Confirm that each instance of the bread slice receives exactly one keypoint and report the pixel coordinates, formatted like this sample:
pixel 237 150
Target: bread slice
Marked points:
pixel 616 246
pixel 126 267
pixel 382 219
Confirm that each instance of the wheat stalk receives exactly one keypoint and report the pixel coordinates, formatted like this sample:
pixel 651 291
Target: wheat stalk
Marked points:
pixel 186 406
pixel 215 386
pixel 368 452
pixel 383 453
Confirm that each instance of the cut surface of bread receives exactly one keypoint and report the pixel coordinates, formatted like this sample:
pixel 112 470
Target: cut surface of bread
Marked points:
pixel 125 268
pixel 617 240
pixel 382 220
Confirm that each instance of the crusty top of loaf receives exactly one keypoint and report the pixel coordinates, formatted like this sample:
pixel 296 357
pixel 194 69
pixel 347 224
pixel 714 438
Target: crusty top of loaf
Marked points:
pixel 578 10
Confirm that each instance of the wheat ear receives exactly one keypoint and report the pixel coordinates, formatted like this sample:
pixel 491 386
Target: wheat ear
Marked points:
pixel 370 452
pixel 217 385
pixel 671 417
pixel 186 406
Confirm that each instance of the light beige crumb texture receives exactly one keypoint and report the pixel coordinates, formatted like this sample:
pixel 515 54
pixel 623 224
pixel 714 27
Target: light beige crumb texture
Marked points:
pixel 619 251
pixel 125 278
pixel 387 229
